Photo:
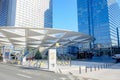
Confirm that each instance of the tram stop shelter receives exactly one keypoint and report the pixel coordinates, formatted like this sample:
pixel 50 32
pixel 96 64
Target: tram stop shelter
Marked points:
pixel 39 38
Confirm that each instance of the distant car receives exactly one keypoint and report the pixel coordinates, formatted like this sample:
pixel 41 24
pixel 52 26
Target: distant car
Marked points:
pixel 116 57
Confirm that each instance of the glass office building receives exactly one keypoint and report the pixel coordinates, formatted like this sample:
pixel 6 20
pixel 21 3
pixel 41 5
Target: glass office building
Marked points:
pixel 3 12
pixel 26 13
pixel 101 19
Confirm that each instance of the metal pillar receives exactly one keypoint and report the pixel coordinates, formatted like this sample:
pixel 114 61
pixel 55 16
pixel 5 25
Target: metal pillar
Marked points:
pixel 3 52
pixel 118 36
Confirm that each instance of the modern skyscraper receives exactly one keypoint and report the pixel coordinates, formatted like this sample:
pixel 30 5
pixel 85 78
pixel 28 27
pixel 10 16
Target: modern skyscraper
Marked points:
pixel 101 19
pixel 26 13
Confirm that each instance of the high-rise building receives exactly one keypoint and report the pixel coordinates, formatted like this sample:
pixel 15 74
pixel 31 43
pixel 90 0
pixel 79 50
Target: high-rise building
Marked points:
pixel 100 19
pixel 26 13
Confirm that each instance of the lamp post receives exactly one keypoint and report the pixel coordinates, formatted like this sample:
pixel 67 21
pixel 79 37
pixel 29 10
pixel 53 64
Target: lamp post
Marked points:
pixel 118 36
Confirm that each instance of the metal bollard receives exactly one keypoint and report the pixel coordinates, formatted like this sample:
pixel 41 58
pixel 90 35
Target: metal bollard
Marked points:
pixel 98 67
pixel 101 66
pixel 90 69
pixel 80 70
pixel 95 68
pixel 85 69
pixel 106 65
pixel 109 65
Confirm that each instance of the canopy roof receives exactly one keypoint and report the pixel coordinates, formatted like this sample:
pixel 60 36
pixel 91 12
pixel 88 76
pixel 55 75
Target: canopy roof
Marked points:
pixel 39 37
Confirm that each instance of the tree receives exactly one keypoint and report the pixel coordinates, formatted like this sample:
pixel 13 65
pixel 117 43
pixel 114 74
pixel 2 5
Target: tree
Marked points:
pixel 0 56
pixel 38 55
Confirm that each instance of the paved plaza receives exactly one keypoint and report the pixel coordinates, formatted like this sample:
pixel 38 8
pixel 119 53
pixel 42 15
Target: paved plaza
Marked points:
pixel 12 72
pixel 19 72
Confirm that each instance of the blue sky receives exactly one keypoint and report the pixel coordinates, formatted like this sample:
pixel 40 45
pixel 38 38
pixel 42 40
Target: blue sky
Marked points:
pixel 118 2
pixel 65 14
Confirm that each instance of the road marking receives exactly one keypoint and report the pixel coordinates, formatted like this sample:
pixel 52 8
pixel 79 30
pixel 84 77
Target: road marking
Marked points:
pixel 22 75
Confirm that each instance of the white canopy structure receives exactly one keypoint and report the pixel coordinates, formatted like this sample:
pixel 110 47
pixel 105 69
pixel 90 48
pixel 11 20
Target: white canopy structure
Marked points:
pixel 43 38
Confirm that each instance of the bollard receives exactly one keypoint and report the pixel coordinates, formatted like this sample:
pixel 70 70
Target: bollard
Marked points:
pixel 101 66
pixel 80 70
pixel 85 69
pixel 106 65
pixel 109 65
pixel 95 68
pixel 90 69
pixel 98 67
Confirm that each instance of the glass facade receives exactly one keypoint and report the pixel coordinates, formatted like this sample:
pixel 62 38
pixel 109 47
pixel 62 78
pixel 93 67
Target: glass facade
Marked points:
pixel 48 22
pixel 3 12
pixel 114 21
pixel 26 13
pixel 100 19
pixel 83 16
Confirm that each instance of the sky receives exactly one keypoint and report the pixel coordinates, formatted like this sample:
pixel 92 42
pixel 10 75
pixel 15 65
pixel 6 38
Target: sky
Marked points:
pixel 118 2
pixel 65 14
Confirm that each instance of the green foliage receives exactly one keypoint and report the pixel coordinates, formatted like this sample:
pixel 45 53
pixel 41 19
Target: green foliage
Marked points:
pixel 38 55
pixel 0 56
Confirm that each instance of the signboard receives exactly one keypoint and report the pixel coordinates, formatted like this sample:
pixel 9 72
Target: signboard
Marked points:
pixel 52 59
